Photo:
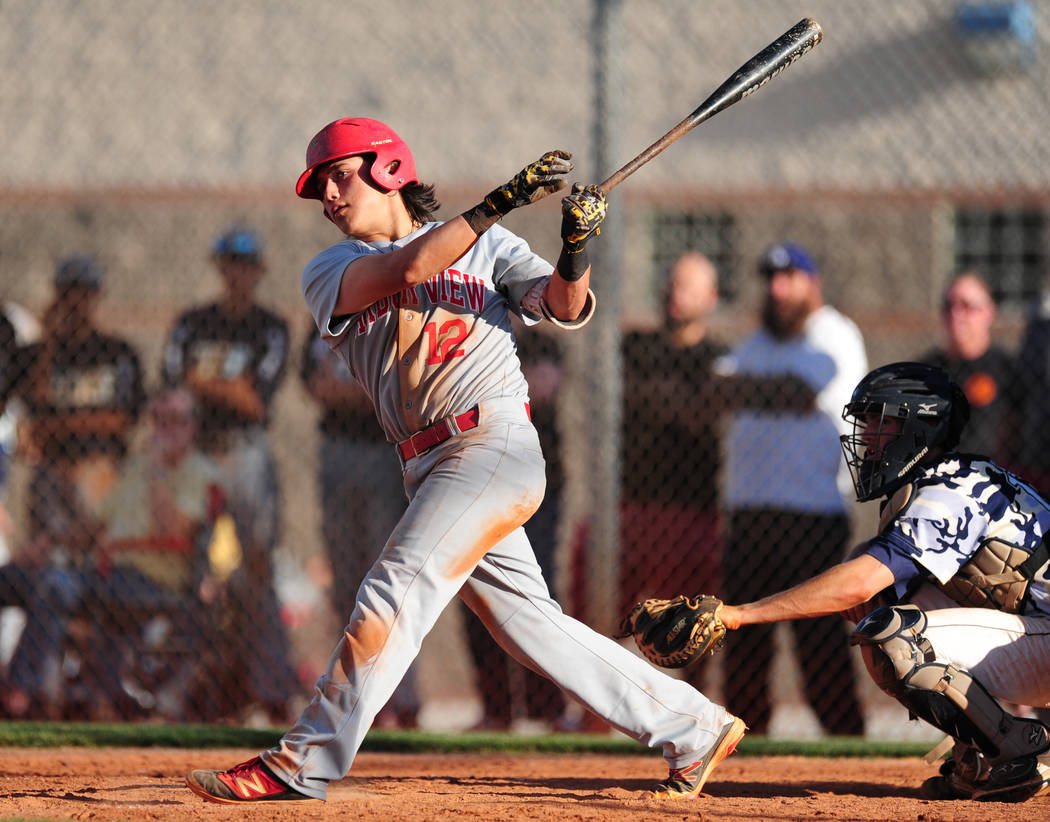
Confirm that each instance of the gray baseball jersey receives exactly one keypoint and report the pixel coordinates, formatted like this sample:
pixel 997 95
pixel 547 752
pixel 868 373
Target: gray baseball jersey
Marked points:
pixel 449 340
pixel 445 348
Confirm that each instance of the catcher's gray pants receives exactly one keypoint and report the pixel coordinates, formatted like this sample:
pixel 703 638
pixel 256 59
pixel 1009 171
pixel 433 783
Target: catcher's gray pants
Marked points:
pixel 462 534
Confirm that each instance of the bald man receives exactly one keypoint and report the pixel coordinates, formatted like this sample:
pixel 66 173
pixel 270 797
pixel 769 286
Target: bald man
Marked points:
pixel 669 514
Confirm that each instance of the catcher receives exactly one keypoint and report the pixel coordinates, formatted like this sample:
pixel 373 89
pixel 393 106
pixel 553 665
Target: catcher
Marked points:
pixel 951 597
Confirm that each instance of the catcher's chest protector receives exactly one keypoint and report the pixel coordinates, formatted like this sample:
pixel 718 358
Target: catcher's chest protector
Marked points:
pixel 998 575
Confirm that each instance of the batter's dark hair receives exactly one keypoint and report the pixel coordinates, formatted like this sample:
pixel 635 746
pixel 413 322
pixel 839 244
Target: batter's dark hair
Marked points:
pixel 421 201
pixel 419 198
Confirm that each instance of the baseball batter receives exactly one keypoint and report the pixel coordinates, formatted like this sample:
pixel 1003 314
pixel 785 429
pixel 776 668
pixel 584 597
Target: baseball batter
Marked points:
pixel 958 580
pixel 420 310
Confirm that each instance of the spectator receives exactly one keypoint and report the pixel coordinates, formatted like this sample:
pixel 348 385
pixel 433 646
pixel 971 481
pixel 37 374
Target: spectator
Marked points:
pixel 153 563
pixel 787 486
pixel 508 690
pixel 8 357
pixel 983 368
pixel 82 391
pixel 362 494
pixel 1030 446
pixel 669 514
pixel 18 328
pixel 150 566
pixel 232 355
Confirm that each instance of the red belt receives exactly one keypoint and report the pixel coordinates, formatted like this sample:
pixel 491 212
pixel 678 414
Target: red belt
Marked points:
pixel 422 441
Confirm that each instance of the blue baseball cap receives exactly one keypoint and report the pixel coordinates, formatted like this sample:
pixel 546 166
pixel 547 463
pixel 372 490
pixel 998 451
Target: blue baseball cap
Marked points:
pixel 784 257
pixel 238 244
pixel 79 270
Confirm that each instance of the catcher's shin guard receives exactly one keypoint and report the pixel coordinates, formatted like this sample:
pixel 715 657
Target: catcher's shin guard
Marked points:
pixel 903 664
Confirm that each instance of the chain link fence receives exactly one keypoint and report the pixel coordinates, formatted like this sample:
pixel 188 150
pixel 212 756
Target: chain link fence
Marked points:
pixel 207 578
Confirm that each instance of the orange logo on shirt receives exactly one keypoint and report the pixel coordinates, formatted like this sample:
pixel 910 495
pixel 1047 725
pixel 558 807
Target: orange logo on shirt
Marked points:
pixel 981 389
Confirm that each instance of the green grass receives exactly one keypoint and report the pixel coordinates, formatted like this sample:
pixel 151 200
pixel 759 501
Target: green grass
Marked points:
pixel 89 735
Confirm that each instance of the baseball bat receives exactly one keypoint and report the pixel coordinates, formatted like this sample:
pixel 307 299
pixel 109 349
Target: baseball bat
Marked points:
pixel 750 77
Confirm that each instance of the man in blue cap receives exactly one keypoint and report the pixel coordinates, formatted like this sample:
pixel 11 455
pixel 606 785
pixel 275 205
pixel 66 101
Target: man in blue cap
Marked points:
pixel 232 354
pixel 787 492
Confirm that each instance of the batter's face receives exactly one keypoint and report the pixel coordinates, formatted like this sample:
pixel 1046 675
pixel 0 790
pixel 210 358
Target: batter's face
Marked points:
pixel 353 202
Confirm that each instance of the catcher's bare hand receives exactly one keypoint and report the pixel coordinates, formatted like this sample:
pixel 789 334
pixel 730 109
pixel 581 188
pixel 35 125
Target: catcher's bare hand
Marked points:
pixel 532 183
pixel 583 211
pixel 675 632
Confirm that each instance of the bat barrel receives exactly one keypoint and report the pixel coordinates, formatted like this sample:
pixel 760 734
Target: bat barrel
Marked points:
pixel 750 77
pixel 762 68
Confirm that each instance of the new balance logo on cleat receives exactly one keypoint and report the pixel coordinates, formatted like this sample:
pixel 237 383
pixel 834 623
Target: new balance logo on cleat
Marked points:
pixel 249 788
pixel 250 781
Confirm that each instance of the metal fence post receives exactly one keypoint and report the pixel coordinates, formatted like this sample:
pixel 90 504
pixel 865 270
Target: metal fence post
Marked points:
pixel 603 351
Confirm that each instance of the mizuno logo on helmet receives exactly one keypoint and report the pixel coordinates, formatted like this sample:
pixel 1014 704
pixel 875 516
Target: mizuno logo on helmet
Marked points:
pixel 927 408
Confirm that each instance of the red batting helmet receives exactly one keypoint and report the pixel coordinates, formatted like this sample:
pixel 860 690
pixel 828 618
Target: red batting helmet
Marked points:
pixel 350 137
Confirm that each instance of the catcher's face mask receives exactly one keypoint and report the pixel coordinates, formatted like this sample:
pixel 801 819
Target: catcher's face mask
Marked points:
pixel 899 414
pixel 869 450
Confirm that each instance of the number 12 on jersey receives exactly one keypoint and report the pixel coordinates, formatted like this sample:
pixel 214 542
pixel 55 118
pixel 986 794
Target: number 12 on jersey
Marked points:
pixel 443 342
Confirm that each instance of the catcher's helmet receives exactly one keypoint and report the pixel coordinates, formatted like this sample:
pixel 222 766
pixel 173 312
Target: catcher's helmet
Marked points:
pixel 900 413
pixel 350 137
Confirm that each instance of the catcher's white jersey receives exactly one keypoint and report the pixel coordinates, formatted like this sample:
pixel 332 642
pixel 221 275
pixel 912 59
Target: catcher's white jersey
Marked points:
pixel 956 507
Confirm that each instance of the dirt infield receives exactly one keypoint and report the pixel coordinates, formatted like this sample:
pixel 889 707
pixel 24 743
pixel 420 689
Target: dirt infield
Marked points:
pixel 146 784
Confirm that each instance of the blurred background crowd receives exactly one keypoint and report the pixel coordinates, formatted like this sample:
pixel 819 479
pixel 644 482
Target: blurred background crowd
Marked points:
pixel 192 485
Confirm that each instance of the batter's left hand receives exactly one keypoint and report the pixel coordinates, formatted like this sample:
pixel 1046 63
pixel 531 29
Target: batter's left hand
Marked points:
pixel 582 212
pixel 532 183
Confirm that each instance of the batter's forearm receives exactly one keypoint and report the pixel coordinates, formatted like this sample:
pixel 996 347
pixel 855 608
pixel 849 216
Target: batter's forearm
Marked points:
pixel 566 299
pixel 573 266
pixel 532 183
pixel 481 218
pixel 374 276
pixel 429 255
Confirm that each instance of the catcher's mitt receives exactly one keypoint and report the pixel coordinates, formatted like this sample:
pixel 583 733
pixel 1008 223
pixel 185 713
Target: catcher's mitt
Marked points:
pixel 674 632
